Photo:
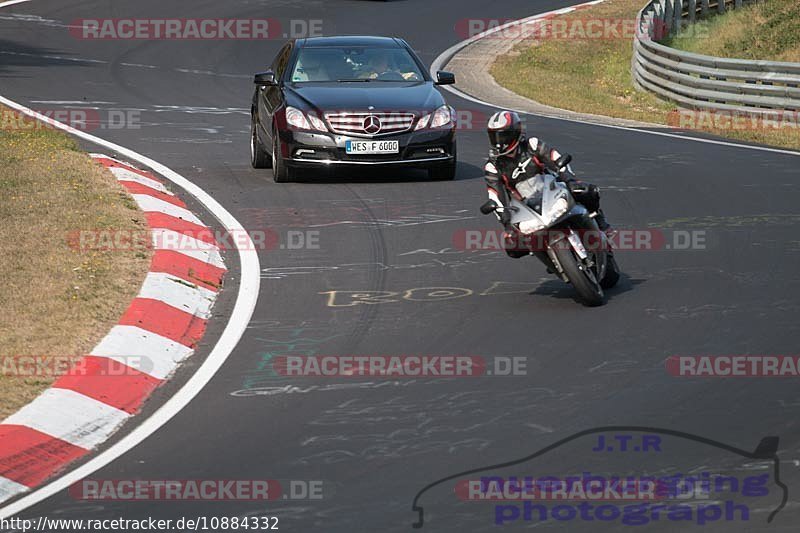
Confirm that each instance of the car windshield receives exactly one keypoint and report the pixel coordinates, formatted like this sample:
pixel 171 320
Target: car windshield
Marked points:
pixel 354 63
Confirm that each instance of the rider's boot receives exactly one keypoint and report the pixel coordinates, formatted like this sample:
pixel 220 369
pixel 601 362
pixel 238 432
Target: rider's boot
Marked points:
pixel 602 223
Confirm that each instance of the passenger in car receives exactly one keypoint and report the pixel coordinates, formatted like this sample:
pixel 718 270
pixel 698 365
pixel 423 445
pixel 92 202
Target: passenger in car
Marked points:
pixel 311 67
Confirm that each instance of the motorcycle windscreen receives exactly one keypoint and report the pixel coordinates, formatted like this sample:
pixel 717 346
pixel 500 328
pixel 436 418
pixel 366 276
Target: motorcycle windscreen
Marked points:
pixel 532 190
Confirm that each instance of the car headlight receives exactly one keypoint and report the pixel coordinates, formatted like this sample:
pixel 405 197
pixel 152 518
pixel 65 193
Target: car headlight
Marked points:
pixel 316 122
pixel 296 118
pixel 423 122
pixel 441 117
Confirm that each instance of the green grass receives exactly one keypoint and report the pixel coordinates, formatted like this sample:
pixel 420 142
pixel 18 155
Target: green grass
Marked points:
pixel 57 301
pixel 591 75
pixel 594 75
pixel 769 30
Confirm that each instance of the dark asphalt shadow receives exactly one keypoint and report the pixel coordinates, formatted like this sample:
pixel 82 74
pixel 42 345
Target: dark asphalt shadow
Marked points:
pixel 466 171
pixel 13 54
pixel 555 288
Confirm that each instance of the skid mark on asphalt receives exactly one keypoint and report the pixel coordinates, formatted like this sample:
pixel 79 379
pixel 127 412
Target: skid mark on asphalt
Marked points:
pixel 35 19
pixel 448 423
pixel 760 220
pixel 155 108
pixel 287 271
pixel 411 220
pixel 298 389
pixel 193 72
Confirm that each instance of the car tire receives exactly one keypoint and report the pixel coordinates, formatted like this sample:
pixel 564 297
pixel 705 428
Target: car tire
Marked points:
pixel 259 158
pixel 280 172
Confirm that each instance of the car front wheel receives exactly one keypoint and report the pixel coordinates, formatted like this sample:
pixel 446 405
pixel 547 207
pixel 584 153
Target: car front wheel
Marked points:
pixel 259 158
pixel 280 172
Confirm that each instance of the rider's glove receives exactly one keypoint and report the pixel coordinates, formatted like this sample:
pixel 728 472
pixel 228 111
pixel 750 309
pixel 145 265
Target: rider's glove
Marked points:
pixel 505 217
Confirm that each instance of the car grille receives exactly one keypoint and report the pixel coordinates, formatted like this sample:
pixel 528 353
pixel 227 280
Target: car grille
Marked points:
pixel 364 124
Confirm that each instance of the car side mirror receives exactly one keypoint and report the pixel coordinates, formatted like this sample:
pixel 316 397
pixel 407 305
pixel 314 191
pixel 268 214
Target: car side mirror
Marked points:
pixel 488 207
pixel 265 78
pixel 563 161
pixel 445 78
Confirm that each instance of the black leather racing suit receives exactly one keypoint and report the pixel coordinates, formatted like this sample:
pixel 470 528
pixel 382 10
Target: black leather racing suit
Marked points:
pixel 534 157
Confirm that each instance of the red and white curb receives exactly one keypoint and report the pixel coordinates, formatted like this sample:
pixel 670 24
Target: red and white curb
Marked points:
pixel 158 331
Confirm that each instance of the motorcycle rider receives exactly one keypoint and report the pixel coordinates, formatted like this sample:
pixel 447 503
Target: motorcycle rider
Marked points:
pixel 513 158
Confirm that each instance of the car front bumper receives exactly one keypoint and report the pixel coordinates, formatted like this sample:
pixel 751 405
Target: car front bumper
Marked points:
pixel 424 148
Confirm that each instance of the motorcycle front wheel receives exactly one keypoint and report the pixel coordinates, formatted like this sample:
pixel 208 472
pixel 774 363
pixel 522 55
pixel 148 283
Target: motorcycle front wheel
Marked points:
pixel 581 277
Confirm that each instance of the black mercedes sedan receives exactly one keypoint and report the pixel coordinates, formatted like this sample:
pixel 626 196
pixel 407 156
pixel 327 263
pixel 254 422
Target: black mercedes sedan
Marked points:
pixel 346 101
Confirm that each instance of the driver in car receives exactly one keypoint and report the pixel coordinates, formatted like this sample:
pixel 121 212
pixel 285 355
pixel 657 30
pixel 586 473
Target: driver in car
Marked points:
pixel 514 158
pixel 379 65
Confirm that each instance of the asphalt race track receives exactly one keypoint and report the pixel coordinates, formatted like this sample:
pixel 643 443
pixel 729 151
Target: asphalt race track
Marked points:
pixel 374 443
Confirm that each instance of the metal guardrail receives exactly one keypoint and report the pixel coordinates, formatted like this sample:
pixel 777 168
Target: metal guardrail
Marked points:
pixel 703 82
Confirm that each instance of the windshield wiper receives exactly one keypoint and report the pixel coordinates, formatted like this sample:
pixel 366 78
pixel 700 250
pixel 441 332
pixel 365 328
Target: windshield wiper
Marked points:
pixel 355 79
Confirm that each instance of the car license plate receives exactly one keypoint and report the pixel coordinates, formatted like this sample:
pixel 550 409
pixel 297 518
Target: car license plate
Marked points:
pixel 372 147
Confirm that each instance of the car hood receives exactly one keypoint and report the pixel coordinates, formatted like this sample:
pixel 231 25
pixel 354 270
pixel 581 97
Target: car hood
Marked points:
pixel 354 96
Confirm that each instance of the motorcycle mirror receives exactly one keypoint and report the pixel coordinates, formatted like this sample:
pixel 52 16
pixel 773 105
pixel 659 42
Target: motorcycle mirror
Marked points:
pixel 563 161
pixel 488 207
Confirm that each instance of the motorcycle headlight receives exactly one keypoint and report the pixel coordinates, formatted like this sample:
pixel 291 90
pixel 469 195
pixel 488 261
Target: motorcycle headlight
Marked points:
pixel 527 227
pixel 560 207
